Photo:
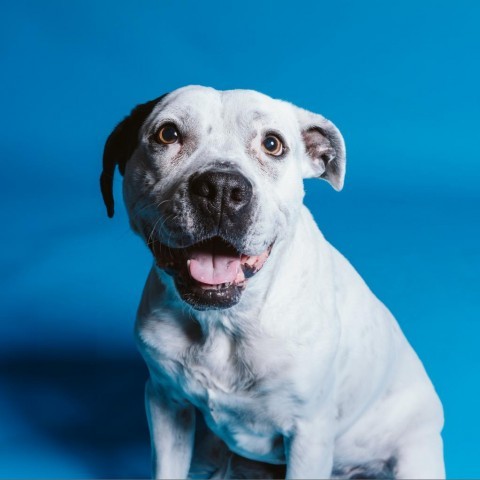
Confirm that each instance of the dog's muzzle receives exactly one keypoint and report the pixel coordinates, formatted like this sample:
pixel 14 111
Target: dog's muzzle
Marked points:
pixel 213 272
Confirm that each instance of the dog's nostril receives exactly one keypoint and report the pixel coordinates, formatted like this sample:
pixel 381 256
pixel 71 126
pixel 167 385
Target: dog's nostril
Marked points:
pixel 204 189
pixel 237 195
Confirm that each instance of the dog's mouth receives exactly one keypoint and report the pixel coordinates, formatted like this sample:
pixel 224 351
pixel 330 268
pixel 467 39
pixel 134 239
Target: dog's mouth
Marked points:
pixel 211 274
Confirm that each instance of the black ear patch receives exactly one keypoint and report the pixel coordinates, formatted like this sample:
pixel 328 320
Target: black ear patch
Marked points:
pixel 120 146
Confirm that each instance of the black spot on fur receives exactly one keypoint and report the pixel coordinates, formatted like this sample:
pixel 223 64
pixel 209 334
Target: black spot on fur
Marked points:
pixel 257 115
pixel 377 469
pixel 120 146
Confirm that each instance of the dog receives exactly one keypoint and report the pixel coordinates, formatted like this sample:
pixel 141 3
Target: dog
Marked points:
pixel 268 355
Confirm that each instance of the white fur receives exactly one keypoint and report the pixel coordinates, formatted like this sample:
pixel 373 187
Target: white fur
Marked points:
pixel 309 357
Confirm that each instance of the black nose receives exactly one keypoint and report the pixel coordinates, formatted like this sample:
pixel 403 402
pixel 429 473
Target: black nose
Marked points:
pixel 223 192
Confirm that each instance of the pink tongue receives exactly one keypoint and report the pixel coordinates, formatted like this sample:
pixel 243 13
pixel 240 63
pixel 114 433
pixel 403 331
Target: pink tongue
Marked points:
pixel 213 269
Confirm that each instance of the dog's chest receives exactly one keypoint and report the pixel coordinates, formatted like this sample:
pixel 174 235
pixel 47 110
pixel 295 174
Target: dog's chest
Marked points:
pixel 219 367
pixel 226 381
pixel 248 389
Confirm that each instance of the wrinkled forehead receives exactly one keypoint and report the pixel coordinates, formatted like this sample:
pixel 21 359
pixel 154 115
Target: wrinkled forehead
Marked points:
pixel 225 110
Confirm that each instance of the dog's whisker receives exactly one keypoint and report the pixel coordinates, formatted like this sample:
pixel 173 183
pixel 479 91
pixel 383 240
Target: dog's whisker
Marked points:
pixel 151 238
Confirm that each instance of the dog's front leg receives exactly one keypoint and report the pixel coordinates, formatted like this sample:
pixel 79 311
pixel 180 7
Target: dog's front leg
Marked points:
pixel 309 451
pixel 172 431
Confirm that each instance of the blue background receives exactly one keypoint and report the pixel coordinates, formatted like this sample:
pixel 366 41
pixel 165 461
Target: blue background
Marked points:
pixel 401 81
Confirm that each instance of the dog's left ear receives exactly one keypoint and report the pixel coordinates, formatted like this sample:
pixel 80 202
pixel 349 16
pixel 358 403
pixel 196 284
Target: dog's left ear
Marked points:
pixel 324 149
pixel 120 146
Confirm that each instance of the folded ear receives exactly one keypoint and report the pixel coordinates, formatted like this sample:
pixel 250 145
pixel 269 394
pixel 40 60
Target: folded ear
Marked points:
pixel 324 148
pixel 120 146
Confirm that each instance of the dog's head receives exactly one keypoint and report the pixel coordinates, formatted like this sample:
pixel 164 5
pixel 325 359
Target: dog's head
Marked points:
pixel 213 180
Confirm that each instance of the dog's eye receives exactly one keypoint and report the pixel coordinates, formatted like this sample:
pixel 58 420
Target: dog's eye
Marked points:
pixel 272 145
pixel 168 134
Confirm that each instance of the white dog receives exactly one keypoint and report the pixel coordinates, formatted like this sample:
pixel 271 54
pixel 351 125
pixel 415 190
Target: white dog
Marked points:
pixel 265 347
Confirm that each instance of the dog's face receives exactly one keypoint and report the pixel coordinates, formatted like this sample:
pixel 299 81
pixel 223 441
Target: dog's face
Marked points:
pixel 214 179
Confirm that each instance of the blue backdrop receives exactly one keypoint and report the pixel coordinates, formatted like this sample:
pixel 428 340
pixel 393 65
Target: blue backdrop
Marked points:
pixel 400 79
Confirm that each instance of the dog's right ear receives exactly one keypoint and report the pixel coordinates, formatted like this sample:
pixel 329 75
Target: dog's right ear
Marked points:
pixel 120 146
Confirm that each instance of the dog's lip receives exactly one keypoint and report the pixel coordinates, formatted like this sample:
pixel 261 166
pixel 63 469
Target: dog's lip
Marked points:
pixel 177 261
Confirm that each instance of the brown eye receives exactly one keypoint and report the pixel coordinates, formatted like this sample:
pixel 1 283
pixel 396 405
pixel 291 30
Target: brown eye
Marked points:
pixel 168 134
pixel 273 145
